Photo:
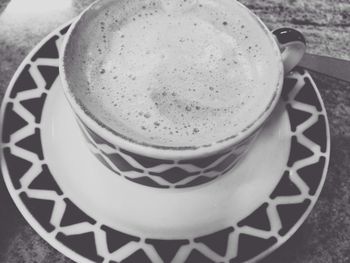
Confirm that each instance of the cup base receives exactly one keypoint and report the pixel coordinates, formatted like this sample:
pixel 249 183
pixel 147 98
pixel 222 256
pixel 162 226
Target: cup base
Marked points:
pixel 163 212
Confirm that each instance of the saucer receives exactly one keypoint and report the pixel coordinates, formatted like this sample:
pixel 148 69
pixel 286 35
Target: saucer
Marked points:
pixel 89 214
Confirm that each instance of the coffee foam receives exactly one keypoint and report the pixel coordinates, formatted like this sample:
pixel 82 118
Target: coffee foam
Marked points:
pixel 173 73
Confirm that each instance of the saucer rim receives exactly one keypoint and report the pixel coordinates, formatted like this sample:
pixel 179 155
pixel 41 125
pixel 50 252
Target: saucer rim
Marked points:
pixel 74 255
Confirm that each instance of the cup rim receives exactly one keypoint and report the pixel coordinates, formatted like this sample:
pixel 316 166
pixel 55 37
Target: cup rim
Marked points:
pixel 172 152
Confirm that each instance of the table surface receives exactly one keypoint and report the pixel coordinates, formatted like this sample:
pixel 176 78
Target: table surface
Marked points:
pixel 324 237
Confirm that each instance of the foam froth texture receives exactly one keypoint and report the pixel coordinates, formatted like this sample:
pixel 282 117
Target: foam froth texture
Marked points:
pixel 172 73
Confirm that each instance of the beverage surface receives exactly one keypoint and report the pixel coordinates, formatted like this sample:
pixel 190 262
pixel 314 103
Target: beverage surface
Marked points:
pixel 173 73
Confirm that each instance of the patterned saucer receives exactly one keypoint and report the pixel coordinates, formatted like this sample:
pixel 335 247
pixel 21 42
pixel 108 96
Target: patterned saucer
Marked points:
pixel 90 215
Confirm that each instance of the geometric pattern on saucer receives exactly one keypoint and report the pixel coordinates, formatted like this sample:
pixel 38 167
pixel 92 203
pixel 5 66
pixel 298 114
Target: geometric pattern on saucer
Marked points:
pixel 79 236
pixel 163 173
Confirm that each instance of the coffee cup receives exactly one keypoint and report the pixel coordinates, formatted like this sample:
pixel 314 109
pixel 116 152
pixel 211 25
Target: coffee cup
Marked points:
pixel 171 94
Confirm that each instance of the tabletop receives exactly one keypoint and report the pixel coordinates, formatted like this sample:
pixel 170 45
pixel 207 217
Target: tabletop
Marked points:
pixel 324 237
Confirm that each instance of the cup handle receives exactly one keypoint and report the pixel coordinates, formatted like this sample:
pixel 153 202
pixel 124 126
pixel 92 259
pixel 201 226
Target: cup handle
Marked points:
pixel 292 44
